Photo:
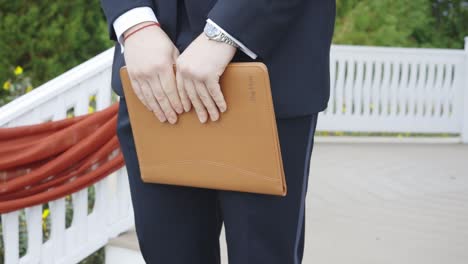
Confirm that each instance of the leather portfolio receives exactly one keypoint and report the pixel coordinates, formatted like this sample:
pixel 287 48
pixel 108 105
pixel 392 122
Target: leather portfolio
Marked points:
pixel 238 152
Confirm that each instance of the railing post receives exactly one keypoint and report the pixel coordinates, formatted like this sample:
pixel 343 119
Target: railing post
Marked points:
pixel 464 131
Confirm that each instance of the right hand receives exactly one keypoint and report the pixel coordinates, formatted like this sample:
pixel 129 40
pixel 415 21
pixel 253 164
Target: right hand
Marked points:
pixel 149 56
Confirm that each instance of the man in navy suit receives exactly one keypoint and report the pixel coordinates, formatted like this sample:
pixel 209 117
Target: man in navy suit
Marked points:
pixel 181 225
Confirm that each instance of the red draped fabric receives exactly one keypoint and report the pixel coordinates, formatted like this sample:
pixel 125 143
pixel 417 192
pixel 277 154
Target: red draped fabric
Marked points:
pixel 43 162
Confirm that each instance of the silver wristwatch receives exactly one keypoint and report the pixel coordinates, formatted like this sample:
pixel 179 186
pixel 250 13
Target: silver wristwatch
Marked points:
pixel 215 34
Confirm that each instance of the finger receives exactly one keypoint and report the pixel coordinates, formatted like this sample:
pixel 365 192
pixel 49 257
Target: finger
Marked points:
pixel 196 102
pixel 160 96
pixel 207 100
pixel 138 92
pixel 154 105
pixel 169 87
pixel 175 54
pixel 182 93
pixel 156 108
pixel 214 89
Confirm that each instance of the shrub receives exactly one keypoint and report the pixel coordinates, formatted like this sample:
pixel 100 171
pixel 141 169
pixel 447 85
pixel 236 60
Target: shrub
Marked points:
pixel 49 37
pixel 417 23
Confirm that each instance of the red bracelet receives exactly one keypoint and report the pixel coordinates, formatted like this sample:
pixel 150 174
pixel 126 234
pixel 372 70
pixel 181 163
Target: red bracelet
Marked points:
pixel 149 25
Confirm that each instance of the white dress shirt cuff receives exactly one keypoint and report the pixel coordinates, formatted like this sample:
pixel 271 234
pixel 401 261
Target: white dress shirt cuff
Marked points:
pixel 242 47
pixel 129 19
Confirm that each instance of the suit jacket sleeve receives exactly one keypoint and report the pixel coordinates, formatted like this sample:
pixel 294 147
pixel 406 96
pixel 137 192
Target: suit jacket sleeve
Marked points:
pixel 114 8
pixel 259 24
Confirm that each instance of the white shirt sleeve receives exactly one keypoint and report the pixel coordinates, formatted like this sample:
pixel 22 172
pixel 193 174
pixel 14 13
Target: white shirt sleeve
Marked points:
pixel 131 18
pixel 242 47
pixel 142 14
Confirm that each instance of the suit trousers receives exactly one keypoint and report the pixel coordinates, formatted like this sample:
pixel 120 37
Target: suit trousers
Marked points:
pixel 182 225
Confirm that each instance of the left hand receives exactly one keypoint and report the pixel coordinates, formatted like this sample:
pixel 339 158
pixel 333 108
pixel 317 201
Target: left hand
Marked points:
pixel 199 68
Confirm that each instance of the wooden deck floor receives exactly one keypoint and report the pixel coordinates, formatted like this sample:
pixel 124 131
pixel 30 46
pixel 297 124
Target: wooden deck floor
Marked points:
pixel 388 203
pixel 381 203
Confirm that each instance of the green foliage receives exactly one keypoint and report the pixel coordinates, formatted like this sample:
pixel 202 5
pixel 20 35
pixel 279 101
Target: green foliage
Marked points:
pixel 416 23
pixel 17 84
pixel 450 21
pixel 47 38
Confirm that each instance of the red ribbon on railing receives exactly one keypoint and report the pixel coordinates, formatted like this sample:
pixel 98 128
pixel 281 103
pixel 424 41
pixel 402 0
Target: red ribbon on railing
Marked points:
pixel 44 162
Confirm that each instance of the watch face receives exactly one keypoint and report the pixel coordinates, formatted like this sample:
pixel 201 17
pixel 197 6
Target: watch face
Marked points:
pixel 211 31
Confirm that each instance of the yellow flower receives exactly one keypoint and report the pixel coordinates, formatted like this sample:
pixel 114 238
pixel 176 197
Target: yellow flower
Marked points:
pixel 6 85
pixel 92 98
pixel 29 88
pixel 18 70
pixel 45 213
pixel 90 109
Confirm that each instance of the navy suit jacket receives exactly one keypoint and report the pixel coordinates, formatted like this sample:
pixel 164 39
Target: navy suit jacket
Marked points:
pixel 292 37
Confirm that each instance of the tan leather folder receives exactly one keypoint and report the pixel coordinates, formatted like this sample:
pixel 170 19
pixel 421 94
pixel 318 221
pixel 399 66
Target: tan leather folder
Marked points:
pixel 239 152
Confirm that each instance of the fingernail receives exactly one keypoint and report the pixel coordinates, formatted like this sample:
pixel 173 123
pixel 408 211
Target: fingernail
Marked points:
pixel 202 118
pixel 161 118
pixel 179 110
pixel 172 120
pixel 214 117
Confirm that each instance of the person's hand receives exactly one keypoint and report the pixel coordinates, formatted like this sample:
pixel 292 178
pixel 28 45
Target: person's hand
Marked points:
pixel 199 68
pixel 150 55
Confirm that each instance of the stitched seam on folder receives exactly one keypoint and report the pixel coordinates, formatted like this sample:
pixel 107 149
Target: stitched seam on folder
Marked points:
pixel 246 172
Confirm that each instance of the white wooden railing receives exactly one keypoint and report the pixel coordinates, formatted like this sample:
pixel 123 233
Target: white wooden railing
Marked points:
pixel 376 89
pixel 112 212
pixel 373 89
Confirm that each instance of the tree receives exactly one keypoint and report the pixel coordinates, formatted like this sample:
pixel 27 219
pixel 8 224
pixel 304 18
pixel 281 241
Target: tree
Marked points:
pixel 47 38
pixel 416 23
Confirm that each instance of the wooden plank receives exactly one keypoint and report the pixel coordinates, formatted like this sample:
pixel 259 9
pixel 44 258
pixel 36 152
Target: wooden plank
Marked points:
pixel 390 203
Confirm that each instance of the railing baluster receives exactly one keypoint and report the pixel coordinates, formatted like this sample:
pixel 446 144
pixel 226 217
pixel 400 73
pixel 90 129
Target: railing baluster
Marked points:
pixel 11 237
pixel 384 88
pixel 413 68
pixel 103 97
pixel 339 88
pixel 348 87
pixel 80 212
pixel 34 227
pixel 357 89
pixel 57 226
pixel 398 88
pixel 366 89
